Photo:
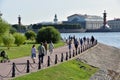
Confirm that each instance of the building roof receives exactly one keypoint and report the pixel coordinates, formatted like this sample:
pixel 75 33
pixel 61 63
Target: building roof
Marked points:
pixel 85 16
pixel 116 19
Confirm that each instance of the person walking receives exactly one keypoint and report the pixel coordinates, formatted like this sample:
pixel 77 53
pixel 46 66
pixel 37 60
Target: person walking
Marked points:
pixel 51 47
pixel 70 45
pixel 76 44
pixel 92 39
pixel 41 54
pixel 81 42
pixel 45 45
pixel 33 53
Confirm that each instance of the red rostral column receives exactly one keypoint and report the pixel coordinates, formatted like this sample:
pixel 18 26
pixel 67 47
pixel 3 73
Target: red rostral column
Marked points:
pixel 104 19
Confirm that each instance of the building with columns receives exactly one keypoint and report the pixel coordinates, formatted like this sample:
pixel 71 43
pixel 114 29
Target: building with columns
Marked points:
pixel 114 24
pixel 86 21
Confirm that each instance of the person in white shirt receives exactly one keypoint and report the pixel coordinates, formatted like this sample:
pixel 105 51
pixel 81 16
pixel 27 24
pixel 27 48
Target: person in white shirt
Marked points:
pixel 33 53
pixel 51 47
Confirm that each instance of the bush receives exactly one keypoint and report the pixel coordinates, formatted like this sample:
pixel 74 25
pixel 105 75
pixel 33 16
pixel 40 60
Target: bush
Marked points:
pixel 19 39
pixel 8 40
pixel 30 35
pixel 48 34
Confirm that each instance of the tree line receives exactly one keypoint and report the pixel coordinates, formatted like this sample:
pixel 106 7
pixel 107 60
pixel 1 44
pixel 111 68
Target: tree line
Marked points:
pixel 9 36
pixel 58 26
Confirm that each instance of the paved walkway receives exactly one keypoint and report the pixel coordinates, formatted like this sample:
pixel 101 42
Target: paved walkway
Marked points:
pixel 5 68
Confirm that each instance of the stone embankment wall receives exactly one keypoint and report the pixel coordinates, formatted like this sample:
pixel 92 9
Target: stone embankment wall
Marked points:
pixel 107 58
pixel 104 74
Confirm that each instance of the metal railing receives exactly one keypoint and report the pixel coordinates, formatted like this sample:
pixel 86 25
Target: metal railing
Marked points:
pixel 50 62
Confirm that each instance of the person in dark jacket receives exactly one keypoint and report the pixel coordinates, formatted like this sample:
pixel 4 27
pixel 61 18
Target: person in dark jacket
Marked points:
pixel 4 56
pixel 41 52
pixel 76 43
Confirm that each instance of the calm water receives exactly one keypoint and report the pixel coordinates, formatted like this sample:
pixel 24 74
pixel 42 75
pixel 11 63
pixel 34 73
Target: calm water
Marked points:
pixel 109 38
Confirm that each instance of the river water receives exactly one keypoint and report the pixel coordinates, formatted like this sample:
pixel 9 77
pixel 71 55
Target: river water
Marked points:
pixel 109 38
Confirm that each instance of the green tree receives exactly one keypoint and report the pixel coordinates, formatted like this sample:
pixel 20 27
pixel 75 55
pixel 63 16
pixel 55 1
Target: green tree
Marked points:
pixel 48 34
pixel 13 30
pixel 4 27
pixel 1 41
pixel 16 27
pixel 19 38
pixel 19 28
pixel 30 35
pixel 8 40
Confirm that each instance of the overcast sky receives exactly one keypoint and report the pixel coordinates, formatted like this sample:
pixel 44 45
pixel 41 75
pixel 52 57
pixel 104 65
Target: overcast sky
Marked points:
pixel 35 11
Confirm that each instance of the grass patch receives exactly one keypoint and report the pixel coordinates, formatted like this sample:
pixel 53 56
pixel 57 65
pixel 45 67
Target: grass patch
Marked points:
pixel 23 50
pixel 65 71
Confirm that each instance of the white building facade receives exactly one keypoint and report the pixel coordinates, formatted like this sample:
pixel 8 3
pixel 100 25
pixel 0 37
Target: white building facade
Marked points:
pixel 114 24
pixel 86 21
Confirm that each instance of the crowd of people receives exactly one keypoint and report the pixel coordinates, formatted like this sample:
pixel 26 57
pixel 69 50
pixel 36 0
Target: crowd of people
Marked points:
pixel 79 42
pixel 44 48
pixel 42 51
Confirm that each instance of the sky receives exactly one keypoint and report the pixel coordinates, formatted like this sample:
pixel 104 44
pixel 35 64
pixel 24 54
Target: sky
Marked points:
pixel 36 11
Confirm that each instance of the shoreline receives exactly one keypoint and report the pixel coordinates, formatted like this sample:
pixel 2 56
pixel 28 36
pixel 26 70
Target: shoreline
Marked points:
pixel 103 56
pixel 106 58
pixel 87 30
